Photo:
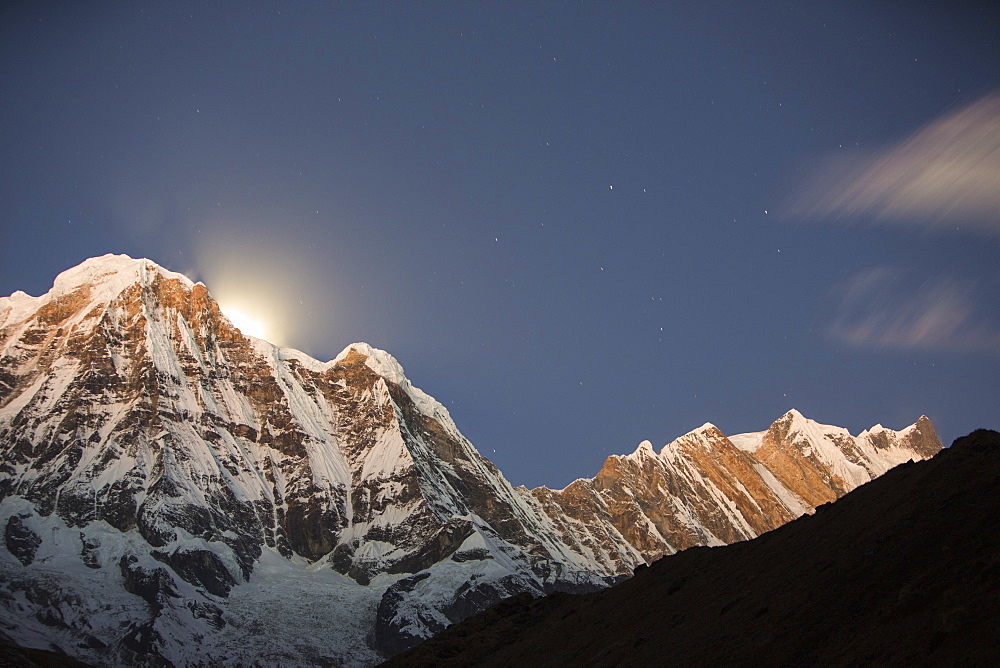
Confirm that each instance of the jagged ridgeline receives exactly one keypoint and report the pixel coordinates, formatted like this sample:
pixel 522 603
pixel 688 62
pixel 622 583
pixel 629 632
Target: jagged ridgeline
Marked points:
pixel 171 489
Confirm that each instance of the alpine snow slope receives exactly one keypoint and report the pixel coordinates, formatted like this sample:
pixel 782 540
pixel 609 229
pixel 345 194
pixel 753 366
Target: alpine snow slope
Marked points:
pixel 172 490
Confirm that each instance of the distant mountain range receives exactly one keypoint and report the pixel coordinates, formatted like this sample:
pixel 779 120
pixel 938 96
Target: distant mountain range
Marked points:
pixel 903 571
pixel 174 491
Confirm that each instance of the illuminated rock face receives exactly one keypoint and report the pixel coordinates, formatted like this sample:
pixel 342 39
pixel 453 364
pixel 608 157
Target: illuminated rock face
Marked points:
pixel 707 489
pixel 166 479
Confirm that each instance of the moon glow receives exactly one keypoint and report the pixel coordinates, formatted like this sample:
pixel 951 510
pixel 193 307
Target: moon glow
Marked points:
pixel 247 324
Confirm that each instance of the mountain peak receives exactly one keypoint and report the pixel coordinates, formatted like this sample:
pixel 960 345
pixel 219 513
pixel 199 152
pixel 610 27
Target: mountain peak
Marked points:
pixel 644 449
pixel 794 420
pixel 82 295
pixel 377 360
pixel 386 366
pixel 113 270
pixel 707 429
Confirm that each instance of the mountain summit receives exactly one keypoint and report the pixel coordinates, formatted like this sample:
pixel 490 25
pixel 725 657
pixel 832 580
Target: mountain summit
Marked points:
pixel 172 490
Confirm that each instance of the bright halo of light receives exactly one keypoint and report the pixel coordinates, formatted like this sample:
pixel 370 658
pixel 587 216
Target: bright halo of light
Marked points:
pixel 247 324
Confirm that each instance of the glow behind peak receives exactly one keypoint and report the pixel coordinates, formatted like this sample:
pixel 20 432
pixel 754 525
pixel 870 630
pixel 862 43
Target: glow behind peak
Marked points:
pixel 247 324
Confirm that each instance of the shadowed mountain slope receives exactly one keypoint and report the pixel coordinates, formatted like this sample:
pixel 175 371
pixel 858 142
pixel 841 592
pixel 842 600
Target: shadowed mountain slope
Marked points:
pixel 905 569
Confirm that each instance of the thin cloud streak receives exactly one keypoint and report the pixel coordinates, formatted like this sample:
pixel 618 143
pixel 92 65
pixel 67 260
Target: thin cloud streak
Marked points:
pixel 879 307
pixel 945 175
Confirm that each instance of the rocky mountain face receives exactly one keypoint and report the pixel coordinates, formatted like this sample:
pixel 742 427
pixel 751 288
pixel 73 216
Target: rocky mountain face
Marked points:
pixel 174 491
pixel 901 572
pixel 705 488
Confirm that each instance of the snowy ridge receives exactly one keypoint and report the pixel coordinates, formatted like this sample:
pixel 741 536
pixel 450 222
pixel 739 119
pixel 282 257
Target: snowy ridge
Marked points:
pixel 149 449
pixel 111 274
pixel 104 277
pixel 705 488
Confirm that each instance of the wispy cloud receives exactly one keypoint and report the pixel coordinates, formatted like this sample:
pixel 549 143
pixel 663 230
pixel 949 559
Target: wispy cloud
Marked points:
pixel 883 308
pixel 947 174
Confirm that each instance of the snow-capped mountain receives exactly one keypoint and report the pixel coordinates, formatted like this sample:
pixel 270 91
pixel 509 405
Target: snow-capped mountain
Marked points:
pixel 171 489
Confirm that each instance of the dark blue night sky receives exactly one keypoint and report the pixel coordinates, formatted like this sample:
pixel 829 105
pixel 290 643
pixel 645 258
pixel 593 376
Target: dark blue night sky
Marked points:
pixel 578 225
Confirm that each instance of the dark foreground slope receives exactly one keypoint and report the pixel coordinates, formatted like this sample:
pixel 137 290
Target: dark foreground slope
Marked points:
pixel 905 569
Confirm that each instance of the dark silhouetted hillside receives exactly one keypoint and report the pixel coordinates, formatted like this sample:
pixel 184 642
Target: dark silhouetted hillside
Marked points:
pixel 903 570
